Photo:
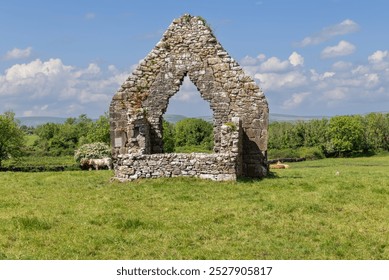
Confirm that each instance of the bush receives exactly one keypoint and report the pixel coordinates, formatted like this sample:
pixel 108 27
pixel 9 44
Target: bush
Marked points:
pixel 304 152
pixel 311 153
pixel 193 132
pixel 94 150
pixel 282 153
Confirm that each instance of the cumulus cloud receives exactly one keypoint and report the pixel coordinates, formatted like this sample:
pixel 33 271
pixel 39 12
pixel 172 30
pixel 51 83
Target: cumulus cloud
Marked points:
pixel 343 48
pixel 343 88
pixel 274 72
pixel 378 56
pixel 259 64
pixel 296 59
pixel 320 77
pixel 295 100
pixel 275 81
pixel 274 64
pixel 345 27
pixel 54 88
pixel 18 53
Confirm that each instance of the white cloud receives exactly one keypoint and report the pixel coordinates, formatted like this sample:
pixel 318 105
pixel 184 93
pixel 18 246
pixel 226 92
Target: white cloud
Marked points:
pixel 379 60
pixel 92 70
pixel 275 81
pixel 372 79
pixel 341 49
pixel 274 64
pixel 188 91
pixel 248 60
pixel 343 88
pixel 18 53
pixel 53 88
pixel 296 59
pixel 378 56
pixel 261 57
pixel 320 77
pixel 345 27
pixel 260 64
pixel 295 100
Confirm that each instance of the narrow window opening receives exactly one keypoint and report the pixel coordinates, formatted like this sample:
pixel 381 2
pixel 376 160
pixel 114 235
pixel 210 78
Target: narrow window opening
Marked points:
pixel 188 122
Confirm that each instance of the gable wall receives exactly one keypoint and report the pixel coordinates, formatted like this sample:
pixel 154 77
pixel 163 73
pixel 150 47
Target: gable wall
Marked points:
pixel 188 48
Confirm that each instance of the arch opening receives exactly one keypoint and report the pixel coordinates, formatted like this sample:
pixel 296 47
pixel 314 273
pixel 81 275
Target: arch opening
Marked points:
pixel 188 102
pixel 188 121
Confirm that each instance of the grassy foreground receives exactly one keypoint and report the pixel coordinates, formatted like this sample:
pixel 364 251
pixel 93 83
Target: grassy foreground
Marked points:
pixel 305 212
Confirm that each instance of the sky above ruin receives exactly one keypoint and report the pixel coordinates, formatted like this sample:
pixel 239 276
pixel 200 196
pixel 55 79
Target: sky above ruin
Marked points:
pixel 321 58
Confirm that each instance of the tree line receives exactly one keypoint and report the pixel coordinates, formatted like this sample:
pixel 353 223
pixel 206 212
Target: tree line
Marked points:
pixel 54 139
pixel 50 139
pixel 63 139
pixel 186 135
pixel 334 137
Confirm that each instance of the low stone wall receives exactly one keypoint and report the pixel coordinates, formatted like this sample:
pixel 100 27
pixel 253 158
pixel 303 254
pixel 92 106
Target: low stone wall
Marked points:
pixel 217 167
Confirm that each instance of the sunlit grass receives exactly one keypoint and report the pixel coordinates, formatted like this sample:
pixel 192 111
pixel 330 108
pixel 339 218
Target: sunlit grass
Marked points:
pixel 305 212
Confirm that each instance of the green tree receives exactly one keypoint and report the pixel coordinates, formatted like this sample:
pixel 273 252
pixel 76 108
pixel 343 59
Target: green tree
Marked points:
pixel 194 132
pixel 279 135
pixel 11 137
pixel 316 133
pixel 63 139
pixel 346 135
pixel 97 131
pixel 376 132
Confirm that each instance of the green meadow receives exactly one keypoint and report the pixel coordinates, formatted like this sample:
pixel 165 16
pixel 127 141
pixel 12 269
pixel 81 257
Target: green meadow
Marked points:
pixel 325 209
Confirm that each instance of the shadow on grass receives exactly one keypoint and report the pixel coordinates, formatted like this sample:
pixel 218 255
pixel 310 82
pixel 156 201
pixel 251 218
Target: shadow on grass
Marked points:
pixel 270 175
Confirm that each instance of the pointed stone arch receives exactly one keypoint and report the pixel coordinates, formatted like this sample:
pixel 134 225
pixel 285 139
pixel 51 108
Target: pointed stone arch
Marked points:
pixel 189 48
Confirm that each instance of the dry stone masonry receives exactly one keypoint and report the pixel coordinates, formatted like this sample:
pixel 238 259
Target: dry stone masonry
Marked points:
pixel 240 111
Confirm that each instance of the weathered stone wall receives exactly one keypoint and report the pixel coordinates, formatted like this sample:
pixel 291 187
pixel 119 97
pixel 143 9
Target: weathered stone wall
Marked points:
pixel 188 48
pixel 218 167
pixel 222 166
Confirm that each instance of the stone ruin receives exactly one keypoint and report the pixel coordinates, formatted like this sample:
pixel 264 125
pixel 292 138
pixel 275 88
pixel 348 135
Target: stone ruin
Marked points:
pixel 240 110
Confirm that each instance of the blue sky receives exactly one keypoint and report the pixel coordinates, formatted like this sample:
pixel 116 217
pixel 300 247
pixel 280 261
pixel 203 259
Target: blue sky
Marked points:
pixel 322 57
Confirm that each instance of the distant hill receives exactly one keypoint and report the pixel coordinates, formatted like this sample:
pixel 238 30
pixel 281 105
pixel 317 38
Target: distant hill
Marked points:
pixel 35 121
pixel 293 118
pixel 173 118
pixel 273 118
pixel 177 118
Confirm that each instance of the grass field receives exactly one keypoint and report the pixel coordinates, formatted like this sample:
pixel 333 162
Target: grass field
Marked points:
pixel 305 212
